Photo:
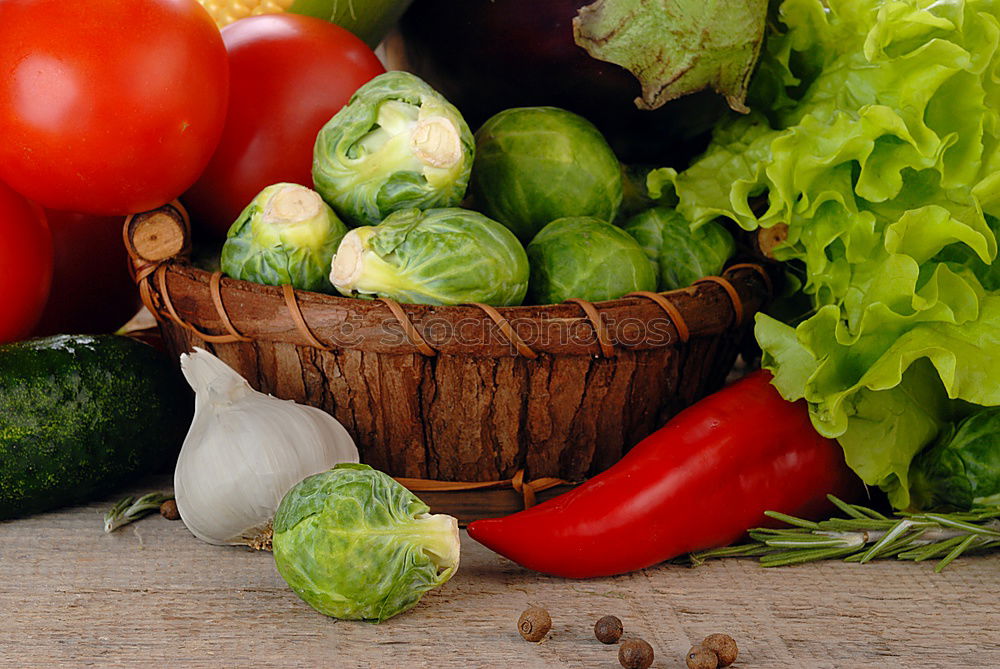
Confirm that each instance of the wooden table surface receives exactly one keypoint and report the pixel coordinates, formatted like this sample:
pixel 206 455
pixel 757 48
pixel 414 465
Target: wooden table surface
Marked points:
pixel 151 595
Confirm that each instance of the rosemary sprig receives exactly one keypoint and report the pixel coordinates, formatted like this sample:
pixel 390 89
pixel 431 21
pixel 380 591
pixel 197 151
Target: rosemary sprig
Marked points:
pixel 869 535
pixel 131 509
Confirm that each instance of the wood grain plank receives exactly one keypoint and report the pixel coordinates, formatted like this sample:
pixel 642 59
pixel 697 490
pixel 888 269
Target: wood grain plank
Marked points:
pixel 152 595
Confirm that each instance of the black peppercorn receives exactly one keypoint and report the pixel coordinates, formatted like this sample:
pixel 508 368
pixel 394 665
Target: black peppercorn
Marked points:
pixel 723 646
pixel 169 510
pixel 608 629
pixel 635 654
pixel 534 623
pixel 700 657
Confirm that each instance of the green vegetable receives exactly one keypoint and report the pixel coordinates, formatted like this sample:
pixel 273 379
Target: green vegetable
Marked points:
pixel 679 254
pixel 286 235
pixel 370 20
pixel 439 256
pixel 677 47
pixel 588 259
pixel 867 535
pixel 636 196
pixel 398 144
pixel 129 509
pixel 536 164
pixel 80 415
pixel 355 544
pixel 875 139
pixel 963 470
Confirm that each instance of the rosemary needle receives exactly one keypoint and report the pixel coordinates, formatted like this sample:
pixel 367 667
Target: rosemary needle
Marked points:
pixel 130 509
pixel 869 535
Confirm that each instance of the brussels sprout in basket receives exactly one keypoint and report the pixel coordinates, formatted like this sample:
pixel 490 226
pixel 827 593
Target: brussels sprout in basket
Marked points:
pixel 680 255
pixel 397 144
pixel 536 164
pixel 439 256
pixel 286 235
pixel 355 544
pixel 588 259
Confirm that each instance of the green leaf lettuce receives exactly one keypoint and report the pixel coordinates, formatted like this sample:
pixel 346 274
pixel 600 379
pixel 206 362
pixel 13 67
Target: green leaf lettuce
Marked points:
pixel 875 139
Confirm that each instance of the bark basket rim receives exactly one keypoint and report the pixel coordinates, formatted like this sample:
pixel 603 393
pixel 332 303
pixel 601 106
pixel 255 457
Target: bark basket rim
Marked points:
pixel 640 321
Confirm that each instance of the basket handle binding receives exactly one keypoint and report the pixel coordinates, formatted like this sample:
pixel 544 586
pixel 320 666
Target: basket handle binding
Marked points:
pixel 527 489
pixel 153 239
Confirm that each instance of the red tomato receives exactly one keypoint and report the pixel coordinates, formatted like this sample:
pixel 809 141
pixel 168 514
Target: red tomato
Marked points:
pixel 25 265
pixel 288 75
pixel 108 106
pixel 92 290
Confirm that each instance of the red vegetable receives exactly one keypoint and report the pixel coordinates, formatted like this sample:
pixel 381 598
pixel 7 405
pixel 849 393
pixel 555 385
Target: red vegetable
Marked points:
pixel 108 106
pixel 698 483
pixel 289 74
pixel 25 265
pixel 92 291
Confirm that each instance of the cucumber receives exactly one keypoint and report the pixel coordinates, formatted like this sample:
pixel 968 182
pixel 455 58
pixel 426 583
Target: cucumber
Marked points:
pixel 80 415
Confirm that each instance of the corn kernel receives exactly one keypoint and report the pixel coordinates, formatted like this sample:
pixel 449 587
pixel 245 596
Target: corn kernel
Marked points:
pixel 225 12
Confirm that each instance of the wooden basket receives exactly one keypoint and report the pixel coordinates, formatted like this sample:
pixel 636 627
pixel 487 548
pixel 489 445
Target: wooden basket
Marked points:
pixel 471 396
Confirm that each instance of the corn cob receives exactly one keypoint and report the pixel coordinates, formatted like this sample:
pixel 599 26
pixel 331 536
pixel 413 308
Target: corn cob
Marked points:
pixel 226 11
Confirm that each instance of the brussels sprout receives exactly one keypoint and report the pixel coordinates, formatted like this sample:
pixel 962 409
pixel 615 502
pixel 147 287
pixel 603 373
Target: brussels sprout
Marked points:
pixel 636 194
pixel 586 258
pixel 397 144
pixel 963 469
pixel 438 256
pixel 647 229
pixel 681 255
pixel 286 235
pixel 536 164
pixel 355 544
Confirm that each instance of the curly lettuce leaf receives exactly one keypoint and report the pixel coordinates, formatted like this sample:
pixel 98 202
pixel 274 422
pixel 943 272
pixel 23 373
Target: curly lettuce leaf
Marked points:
pixel 875 140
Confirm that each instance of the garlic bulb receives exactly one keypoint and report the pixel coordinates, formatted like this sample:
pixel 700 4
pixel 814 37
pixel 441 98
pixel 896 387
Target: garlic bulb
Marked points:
pixel 244 451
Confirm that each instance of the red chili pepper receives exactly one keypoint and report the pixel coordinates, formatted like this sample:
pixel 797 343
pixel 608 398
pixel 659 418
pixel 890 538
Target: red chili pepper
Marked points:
pixel 700 482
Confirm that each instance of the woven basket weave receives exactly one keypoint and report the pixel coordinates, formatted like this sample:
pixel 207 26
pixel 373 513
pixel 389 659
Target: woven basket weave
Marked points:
pixel 466 394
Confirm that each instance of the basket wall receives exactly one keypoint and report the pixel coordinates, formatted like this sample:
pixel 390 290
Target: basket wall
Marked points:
pixel 469 418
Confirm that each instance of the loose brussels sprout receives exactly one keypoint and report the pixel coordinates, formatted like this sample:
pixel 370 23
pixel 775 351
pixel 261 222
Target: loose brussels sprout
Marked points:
pixel 586 258
pixel 536 164
pixel 397 144
pixel 438 256
pixel 681 256
pixel 355 544
pixel 286 235
pixel 963 469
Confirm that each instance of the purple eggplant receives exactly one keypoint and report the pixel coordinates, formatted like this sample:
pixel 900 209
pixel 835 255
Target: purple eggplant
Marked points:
pixel 490 55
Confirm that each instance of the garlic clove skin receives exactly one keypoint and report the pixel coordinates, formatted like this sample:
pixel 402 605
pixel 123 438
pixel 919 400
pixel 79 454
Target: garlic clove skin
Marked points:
pixel 244 451
pixel 213 381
